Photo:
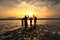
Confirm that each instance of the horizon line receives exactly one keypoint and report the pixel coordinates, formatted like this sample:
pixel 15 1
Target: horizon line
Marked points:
pixel 29 19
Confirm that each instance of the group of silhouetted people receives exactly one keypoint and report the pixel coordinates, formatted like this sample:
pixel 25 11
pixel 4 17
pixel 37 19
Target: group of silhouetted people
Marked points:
pixel 25 20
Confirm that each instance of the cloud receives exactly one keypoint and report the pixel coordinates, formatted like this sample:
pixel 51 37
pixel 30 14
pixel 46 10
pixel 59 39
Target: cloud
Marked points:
pixel 8 4
pixel 48 3
pixel 37 3
pixel 43 3
pixel 55 1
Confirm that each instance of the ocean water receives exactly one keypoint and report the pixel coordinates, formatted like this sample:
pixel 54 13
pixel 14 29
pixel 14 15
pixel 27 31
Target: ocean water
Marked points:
pixel 8 25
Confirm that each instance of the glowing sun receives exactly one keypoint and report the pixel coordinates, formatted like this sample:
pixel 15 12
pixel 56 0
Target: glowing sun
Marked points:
pixel 30 14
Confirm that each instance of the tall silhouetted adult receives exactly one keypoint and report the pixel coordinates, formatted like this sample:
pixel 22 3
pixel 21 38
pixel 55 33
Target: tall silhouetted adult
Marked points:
pixel 31 21
pixel 35 20
pixel 25 20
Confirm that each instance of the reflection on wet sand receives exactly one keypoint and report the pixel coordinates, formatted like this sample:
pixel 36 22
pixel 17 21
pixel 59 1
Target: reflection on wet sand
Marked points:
pixel 40 32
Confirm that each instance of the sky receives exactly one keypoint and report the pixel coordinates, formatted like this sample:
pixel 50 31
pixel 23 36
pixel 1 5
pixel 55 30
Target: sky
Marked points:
pixel 39 8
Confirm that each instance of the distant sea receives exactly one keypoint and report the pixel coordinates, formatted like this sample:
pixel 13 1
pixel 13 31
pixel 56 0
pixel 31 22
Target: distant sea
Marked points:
pixel 8 25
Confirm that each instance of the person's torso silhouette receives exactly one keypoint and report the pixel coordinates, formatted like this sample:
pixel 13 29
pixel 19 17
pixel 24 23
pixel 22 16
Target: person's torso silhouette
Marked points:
pixel 35 20
pixel 31 21
pixel 26 24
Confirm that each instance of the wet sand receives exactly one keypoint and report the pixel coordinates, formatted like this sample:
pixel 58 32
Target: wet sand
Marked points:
pixel 39 32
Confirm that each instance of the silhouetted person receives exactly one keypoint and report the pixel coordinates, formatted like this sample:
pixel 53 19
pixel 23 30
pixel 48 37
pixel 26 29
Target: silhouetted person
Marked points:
pixel 31 21
pixel 25 20
pixel 22 21
pixel 35 20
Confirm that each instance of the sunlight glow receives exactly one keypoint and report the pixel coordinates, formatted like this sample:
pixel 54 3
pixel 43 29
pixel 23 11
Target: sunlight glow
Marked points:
pixel 30 14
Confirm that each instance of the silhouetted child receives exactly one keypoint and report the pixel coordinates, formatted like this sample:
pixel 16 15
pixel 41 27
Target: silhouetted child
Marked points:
pixel 22 21
pixel 35 20
pixel 31 21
